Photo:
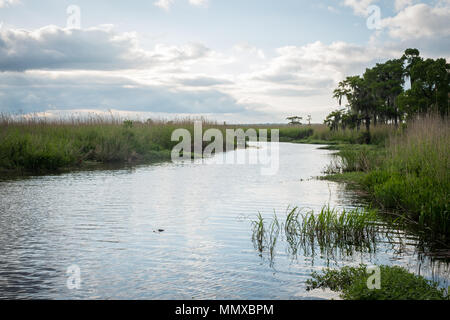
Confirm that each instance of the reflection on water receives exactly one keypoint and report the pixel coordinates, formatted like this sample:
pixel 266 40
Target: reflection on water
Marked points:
pixel 104 222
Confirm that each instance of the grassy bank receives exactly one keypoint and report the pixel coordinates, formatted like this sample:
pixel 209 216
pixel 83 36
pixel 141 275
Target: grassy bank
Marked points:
pixel 292 133
pixel 396 283
pixel 414 174
pixel 37 145
pixel 288 133
pixel 40 145
pixel 323 135
pixel 409 172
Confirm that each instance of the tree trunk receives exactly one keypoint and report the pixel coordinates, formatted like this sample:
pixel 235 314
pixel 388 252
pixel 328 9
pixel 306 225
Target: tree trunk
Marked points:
pixel 367 134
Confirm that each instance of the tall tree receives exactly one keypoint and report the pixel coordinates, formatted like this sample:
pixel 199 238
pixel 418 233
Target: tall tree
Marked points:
pixel 380 93
pixel 410 58
pixel 430 88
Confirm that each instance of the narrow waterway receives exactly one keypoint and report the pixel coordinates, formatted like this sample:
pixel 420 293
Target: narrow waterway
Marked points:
pixel 107 223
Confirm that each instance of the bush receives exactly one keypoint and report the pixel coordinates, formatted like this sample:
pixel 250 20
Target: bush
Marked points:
pixel 396 284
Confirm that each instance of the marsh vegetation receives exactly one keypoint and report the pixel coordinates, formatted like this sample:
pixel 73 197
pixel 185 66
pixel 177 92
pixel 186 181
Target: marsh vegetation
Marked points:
pixel 31 144
pixel 397 284
pixel 410 175
pixel 400 161
pixel 330 233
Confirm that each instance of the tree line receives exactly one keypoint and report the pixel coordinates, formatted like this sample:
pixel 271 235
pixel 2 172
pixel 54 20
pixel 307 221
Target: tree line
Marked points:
pixel 379 96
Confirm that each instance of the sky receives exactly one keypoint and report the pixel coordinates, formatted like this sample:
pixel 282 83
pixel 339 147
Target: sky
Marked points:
pixel 239 61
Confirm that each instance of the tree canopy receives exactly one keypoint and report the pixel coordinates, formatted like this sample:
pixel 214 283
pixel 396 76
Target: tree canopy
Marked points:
pixel 380 95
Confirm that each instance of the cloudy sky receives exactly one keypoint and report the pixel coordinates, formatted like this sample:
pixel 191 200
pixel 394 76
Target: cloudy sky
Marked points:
pixel 230 60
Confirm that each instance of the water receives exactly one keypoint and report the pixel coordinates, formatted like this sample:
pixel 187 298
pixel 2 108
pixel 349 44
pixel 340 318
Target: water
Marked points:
pixel 104 222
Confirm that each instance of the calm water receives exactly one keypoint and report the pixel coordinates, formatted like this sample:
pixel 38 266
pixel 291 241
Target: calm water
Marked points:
pixel 104 222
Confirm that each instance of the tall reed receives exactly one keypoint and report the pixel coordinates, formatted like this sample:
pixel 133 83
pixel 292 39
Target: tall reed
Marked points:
pixel 414 176
pixel 34 144
pixel 331 231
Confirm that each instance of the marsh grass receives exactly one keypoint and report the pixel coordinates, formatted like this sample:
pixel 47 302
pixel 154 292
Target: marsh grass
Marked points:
pixel 355 158
pixel 323 135
pixel 288 133
pixel 265 236
pixel 347 230
pixel 259 233
pixel 415 176
pixel 36 144
pixel 410 174
pixel 396 283
pixel 330 232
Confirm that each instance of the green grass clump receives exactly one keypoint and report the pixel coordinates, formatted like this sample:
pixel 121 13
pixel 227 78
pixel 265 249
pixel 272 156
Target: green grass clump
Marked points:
pixel 331 226
pixel 265 236
pixel 396 283
pixel 345 231
pixel 259 232
pixel 330 231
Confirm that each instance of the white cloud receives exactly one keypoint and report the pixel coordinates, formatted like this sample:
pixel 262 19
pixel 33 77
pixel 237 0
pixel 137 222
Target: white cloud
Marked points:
pixel 300 79
pixel 97 48
pixel 167 4
pixel 317 64
pixel 401 4
pixel 419 21
pixel 411 21
pixel 359 6
pixel 332 9
pixel 249 50
pixel 198 3
pixel 422 26
pixel 7 3
pixel 164 4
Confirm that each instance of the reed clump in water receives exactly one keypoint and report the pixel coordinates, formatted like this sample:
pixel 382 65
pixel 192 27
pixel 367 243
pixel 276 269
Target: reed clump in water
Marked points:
pixel 331 231
pixel 347 229
pixel 265 236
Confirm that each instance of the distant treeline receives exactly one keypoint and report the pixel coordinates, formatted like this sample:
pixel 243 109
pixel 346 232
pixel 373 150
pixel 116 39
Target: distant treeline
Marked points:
pixel 379 95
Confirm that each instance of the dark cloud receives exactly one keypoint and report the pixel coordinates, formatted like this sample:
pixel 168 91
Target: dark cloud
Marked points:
pixel 286 92
pixel 24 92
pixel 55 48
pixel 203 82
